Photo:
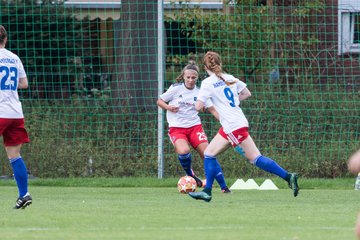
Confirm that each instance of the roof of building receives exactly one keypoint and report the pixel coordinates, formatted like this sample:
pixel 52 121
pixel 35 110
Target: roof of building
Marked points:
pixel 111 8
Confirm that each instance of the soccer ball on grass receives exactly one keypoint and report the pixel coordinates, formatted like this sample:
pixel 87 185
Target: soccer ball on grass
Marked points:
pixel 186 184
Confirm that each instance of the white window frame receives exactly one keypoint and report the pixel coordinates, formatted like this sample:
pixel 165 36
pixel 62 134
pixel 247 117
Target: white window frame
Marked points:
pixel 346 26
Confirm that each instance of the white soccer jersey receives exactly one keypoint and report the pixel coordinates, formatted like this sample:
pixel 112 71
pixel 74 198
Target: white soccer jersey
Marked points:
pixel 185 99
pixel 225 99
pixel 11 69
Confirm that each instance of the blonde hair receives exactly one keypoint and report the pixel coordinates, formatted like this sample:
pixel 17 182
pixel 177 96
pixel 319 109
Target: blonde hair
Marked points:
pixel 212 61
pixel 191 66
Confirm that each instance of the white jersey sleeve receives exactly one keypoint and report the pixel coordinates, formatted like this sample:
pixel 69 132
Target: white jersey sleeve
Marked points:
pixel 11 70
pixel 22 73
pixel 209 103
pixel 240 86
pixel 169 94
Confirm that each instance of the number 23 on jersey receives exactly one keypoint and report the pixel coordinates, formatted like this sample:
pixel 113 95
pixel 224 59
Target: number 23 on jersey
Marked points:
pixel 8 79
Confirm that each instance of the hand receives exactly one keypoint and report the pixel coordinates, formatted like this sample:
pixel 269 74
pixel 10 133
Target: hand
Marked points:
pixel 173 108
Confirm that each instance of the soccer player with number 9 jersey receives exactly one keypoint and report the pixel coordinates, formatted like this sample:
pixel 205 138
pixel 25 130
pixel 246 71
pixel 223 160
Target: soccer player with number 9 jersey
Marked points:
pixel 12 78
pixel 226 92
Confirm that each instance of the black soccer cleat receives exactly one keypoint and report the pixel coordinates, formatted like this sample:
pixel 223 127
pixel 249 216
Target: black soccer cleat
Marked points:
pixel 199 182
pixel 200 196
pixel 23 202
pixel 293 184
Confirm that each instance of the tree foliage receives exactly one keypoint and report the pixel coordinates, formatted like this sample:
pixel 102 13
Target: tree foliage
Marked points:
pixel 46 35
pixel 242 38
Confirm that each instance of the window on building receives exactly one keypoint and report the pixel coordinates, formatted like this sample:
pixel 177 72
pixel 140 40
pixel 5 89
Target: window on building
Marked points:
pixel 356 28
pixel 349 27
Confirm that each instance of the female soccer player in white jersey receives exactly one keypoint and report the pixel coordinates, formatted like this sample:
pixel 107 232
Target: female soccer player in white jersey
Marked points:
pixel 184 122
pixel 226 92
pixel 12 78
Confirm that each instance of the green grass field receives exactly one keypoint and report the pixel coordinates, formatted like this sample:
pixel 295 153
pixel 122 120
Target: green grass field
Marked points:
pixel 107 209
